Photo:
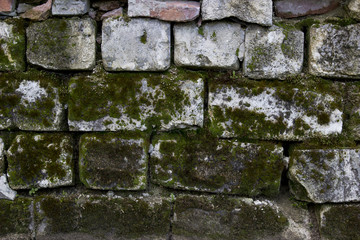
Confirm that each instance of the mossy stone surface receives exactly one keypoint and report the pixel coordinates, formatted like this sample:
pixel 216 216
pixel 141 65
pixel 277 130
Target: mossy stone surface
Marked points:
pixel 113 161
pixel 40 161
pixel 352 109
pixel 217 217
pixel 136 101
pixel 12 45
pixel 2 156
pixel 201 162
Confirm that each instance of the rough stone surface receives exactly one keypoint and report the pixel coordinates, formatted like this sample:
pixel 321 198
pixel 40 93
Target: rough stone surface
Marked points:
pixel 353 109
pixel 5 191
pixel 334 51
pixel 114 13
pixel 203 163
pixel 273 52
pixel 106 5
pixel 205 46
pixel 2 156
pixel 31 101
pixel 7 5
pixel 62 44
pixel 354 9
pixel 252 11
pixel 325 175
pixel 216 217
pixel 102 217
pixel 38 13
pixel 131 101
pixel 285 112
pixel 298 8
pixel 177 11
pixel 113 161
pixel 135 45
pixel 12 45
pixel 23 7
pixel 40 161
pixel 70 7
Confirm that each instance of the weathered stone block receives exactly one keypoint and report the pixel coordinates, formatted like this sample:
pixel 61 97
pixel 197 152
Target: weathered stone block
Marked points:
pixel 7 5
pixel 40 161
pixel 2 156
pixel 132 101
pixel 201 162
pixel 273 52
pixel 12 45
pixel 340 221
pixel 265 110
pixel 216 217
pixel 135 45
pixel 204 46
pixel 354 9
pixel 352 107
pixel 113 161
pixel 177 11
pixel 38 13
pixel 334 51
pixel 5 191
pixel 70 7
pixel 253 11
pixel 325 175
pixel 298 8
pixel 31 101
pixel 62 44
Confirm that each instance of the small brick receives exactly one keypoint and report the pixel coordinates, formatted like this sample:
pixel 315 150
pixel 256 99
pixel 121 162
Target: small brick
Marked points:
pixel 7 5
pixel 298 8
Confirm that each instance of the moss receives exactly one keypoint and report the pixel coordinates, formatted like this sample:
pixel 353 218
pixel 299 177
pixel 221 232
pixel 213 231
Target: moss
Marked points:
pixel 341 22
pixel 213 36
pixel 15 216
pixel 201 31
pixel 143 37
pixel 259 53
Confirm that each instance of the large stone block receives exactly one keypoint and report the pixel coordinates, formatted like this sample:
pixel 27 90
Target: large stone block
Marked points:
pixel 354 9
pixel 273 52
pixel 168 10
pixel 334 51
pixel 135 45
pixel 132 101
pixel 325 175
pixel 204 46
pixel 32 101
pixel 201 162
pixel 40 161
pixel 252 11
pixel 269 110
pixel 216 217
pixel 62 44
pixel 12 45
pixel 70 7
pixel 113 161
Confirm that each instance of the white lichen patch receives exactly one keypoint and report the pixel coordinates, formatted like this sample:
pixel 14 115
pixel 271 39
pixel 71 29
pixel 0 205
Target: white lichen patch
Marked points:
pixel 5 191
pixel 30 92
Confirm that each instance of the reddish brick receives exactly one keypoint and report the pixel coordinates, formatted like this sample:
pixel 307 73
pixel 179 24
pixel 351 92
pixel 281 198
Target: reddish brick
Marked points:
pixel 7 5
pixel 297 8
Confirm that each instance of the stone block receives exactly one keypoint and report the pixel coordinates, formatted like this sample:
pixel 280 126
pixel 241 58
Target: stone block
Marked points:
pixel 252 11
pixel 325 175
pixel 135 44
pixel 32 101
pixel 354 9
pixel 2 156
pixel 133 101
pixel 298 8
pixel 5 191
pixel 7 6
pixel 176 11
pixel 352 108
pixel 268 110
pixel 216 217
pixel 334 51
pixel 12 45
pixel 273 53
pixel 40 161
pixel 113 161
pixel 62 44
pixel 201 162
pixel 70 7
pixel 205 46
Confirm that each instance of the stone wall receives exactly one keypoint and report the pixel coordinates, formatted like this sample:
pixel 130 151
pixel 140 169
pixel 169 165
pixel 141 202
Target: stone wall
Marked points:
pixel 156 119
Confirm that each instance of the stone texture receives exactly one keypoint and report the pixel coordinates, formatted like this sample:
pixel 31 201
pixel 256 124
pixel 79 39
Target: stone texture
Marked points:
pixel 7 5
pixel 12 45
pixel 273 52
pixel 325 175
pixel 101 217
pixel 113 161
pixel 354 9
pixel 252 11
pixel 62 44
pixel 216 217
pixel 5 191
pixel 31 101
pixel 23 7
pixel 205 46
pixel 284 112
pixel 2 156
pixel 135 45
pixel 40 161
pixel 114 13
pixel 70 7
pixel 132 101
pixel 177 11
pixel 106 5
pixel 334 51
pixel 38 13
pixel 352 108
pixel 298 8
pixel 203 163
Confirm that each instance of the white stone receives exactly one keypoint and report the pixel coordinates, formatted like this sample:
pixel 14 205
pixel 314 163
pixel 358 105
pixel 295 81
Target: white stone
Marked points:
pixel 2 154
pixel 354 8
pixel 135 45
pixel 253 11
pixel 273 52
pixel 5 191
pixel 215 45
pixel 70 7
